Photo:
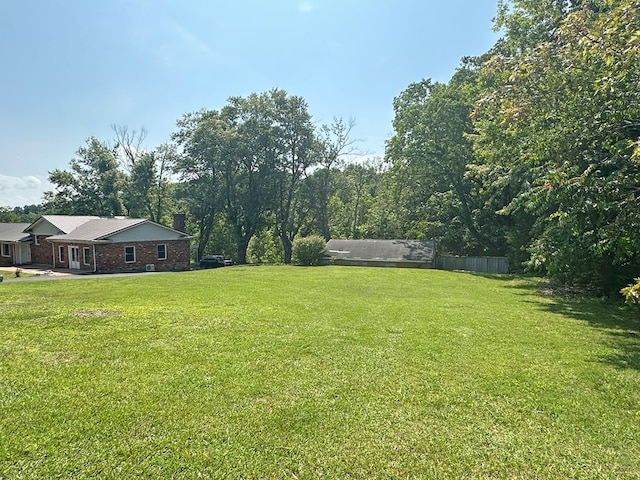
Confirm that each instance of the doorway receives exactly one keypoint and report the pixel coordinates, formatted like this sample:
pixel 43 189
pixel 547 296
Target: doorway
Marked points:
pixel 74 258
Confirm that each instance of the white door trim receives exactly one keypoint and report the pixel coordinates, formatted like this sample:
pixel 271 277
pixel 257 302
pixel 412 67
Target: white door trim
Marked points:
pixel 74 257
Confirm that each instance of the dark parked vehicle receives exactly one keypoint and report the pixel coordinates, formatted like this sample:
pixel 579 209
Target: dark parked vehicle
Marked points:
pixel 213 261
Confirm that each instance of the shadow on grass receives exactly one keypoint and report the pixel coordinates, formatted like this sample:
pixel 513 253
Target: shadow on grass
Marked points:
pixel 619 321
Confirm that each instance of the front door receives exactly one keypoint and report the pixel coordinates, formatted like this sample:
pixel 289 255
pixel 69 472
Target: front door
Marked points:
pixel 23 253
pixel 74 257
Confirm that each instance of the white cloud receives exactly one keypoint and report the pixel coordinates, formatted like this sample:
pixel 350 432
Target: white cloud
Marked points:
pixel 305 7
pixel 20 191
pixel 19 183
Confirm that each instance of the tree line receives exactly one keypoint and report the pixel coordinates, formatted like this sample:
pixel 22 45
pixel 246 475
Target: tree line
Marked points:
pixel 530 151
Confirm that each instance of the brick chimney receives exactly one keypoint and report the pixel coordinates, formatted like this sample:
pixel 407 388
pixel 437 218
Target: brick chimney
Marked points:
pixel 179 222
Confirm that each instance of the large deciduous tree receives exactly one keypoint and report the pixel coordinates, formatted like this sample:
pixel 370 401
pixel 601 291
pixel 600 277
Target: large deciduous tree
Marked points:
pixel 568 110
pixel 294 137
pixel 92 186
pixel 206 138
pixel 246 161
pixel 147 189
pixel 430 154
pixel 333 143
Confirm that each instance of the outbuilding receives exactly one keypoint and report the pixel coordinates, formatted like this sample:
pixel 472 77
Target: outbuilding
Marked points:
pixel 383 253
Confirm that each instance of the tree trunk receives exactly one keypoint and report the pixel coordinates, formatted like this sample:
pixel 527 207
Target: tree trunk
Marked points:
pixel 287 247
pixel 205 226
pixel 242 245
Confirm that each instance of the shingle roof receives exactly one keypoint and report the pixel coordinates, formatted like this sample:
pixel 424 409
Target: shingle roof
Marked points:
pixel 13 232
pixel 65 223
pixel 98 228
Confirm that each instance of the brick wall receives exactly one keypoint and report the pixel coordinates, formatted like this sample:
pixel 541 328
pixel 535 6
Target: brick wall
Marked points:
pixel 88 267
pixel 41 254
pixel 110 257
pixel 8 261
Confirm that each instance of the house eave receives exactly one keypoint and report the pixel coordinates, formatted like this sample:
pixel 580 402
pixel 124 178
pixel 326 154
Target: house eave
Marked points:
pixel 77 240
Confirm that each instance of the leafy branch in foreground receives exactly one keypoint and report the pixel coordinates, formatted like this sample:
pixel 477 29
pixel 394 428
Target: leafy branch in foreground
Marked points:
pixel 632 293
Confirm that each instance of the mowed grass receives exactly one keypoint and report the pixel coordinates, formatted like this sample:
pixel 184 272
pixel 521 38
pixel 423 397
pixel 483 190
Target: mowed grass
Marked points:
pixel 330 372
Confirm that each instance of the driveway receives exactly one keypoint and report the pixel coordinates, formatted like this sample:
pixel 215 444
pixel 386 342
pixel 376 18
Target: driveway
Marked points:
pixel 32 273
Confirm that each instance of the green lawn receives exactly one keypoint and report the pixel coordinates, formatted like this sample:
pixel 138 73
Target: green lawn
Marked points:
pixel 329 372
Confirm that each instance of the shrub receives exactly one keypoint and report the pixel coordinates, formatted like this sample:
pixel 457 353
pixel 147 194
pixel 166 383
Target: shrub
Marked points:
pixel 632 293
pixel 265 247
pixel 309 250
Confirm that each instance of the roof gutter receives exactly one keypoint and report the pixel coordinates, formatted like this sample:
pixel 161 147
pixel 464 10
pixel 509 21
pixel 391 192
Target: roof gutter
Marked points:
pixel 77 240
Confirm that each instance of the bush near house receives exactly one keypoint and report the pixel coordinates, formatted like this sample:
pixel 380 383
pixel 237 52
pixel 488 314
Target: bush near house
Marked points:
pixel 309 251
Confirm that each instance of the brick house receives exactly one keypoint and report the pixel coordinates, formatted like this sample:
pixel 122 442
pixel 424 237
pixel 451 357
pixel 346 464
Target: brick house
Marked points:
pixel 107 245
pixel 15 246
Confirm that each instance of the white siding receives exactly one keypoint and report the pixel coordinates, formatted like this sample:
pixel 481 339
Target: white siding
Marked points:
pixel 45 228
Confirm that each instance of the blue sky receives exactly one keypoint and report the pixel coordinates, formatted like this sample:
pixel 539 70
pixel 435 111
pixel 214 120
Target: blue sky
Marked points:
pixel 73 68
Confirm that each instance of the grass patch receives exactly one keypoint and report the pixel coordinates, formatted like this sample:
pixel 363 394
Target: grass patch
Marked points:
pixel 333 372
pixel 9 274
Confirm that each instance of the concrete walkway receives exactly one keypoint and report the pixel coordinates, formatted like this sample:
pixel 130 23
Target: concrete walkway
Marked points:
pixel 42 272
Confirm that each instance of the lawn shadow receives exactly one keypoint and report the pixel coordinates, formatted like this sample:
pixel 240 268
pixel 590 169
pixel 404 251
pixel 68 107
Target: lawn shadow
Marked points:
pixel 620 322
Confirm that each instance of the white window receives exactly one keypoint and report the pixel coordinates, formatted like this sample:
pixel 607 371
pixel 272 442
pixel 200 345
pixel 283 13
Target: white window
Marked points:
pixel 5 250
pixel 35 240
pixel 129 254
pixel 86 255
pixel 162 251
pixel 61 253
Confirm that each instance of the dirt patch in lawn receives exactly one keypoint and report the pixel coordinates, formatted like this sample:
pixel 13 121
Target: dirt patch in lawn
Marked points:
pixel 95 313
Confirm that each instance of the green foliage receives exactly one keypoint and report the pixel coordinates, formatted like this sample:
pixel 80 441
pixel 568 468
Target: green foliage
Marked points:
pixel 309 251
pixel 631 293
pixel 25 214
pixel 148 192
pixel 528 23
pixel 356 190
pixel 115 180
pixel 566 113
pixel 92 186
pixel 333 143
pixel 432 154
pixel 7 215
pixel 265 247
pixel 221 241
pixel 247 160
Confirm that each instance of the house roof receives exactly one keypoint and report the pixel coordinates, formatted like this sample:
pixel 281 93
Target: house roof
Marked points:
pixel 13 232
pixel 64 223
pixel 97 229
pixel 392 250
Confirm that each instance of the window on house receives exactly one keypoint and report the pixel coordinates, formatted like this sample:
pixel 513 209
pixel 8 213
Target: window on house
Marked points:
pixel 129 254
pixel 5 250
pixel 86 255
pixel 35 240
pixel 61 253
pixel 162 251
